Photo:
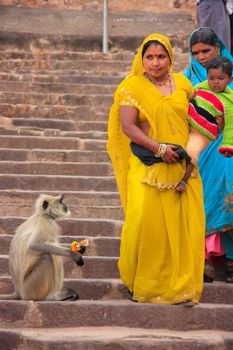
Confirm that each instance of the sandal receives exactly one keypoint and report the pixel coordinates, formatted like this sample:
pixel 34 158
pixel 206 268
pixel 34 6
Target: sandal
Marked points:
pixel 187 303
pixel 130 296
pixel 209 272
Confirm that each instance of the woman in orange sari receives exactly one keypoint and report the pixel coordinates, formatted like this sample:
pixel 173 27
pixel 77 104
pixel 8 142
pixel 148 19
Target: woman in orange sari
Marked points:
pixel 162 244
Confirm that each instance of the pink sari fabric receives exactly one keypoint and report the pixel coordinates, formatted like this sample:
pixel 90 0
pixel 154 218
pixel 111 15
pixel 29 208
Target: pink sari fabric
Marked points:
pixel 213 245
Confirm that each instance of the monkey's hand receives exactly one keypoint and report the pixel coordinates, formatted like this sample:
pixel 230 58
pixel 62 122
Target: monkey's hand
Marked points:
pixel 77 258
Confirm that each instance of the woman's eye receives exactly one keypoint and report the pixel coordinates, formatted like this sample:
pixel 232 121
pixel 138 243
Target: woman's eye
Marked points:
pixel 206 51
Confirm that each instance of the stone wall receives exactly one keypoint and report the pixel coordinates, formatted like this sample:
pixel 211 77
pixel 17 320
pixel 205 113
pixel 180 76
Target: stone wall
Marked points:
pixel 114 5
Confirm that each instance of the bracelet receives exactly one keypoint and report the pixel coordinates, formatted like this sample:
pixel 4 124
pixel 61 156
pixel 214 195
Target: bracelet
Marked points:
pixel 161 151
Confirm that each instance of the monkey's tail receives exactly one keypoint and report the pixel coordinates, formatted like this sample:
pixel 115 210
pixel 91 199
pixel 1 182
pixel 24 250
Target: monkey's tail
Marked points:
pixel 13 296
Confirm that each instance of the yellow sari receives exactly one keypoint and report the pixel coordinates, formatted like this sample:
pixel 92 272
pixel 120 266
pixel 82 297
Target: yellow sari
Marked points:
pixel 162 243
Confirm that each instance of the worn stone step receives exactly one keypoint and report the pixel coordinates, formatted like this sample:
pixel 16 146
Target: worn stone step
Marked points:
pixel 51 155
pixel 101 67
pixel 44 88
pixel 62 124
pixel 109 338
pixel 56 99
pixel 64 183
pixel 37 131
pixel 61 78
pixel 115 313
pixel 75 113
pixel 70 227
pixel 35 142
pixel 47 168
pixel 99 246
pixel 112 289
pixel 94 267
pixel 64 56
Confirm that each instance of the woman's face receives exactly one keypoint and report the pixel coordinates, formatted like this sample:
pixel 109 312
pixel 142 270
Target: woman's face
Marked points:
pixel 203 53
pixel 156 62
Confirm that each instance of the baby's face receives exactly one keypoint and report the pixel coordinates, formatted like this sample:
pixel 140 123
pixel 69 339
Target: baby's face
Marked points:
pixel 218 80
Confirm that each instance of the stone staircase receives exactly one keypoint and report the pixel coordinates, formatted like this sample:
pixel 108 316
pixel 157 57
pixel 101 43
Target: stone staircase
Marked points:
pixel 57 102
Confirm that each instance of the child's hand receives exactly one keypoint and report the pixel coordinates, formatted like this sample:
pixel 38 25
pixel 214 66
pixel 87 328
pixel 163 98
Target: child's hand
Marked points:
pixel 227 154
pixel 220 122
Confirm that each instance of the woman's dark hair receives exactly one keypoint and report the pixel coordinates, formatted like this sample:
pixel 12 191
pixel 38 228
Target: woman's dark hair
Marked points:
pixel 152 42
pixel 220 62
pixel 204 35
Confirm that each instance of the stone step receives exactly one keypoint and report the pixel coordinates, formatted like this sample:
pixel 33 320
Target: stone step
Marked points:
pixel 51 99
pixel 40 54
pixel 70 227
pixel 60 78
pixel 50 155
pixel 47 132
pixel 47 168
pixel 113 289
pixel 64 183
pixel 115 313
pixel 44 88
pixel 62 124
pixel 48 143
pixel 109 338
pixel 101 67
pixel 99 246
pixel 94 267
pixel 37 131
pixel 75 113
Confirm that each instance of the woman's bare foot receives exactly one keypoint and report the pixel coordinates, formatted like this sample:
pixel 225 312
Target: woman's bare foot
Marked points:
pixel 181 187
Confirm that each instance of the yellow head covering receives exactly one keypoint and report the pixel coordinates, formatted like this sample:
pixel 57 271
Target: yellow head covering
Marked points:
pixel 137 67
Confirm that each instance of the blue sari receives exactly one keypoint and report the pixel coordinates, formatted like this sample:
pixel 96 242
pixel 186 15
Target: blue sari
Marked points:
pixel 216 172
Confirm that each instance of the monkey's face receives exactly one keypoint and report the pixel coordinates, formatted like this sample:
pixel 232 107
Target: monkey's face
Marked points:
pixel 53 207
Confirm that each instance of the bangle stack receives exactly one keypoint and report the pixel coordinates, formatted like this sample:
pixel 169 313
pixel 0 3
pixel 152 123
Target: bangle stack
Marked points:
pixel 161 151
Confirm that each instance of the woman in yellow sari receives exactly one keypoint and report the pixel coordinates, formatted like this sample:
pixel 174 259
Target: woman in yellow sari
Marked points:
pixel 162 244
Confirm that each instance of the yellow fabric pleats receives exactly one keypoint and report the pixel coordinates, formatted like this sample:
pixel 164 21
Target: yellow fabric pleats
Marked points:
pixel 162 243
pixel 162 254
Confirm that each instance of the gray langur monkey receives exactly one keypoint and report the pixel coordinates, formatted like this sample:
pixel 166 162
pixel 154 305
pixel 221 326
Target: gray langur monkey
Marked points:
pixel 36 257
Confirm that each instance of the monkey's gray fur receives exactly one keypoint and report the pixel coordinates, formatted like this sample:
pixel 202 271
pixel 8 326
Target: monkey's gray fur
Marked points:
pixel 36 257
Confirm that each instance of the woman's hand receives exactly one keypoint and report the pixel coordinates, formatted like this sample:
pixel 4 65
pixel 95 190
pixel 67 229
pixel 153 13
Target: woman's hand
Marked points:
pixel 170 156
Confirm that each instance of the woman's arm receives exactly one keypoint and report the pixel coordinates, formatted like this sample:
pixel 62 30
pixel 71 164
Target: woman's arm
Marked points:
pixel 129 118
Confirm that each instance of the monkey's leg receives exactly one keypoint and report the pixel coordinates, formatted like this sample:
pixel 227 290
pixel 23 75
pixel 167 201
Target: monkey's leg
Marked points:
pixel 13 296
pixel 39 279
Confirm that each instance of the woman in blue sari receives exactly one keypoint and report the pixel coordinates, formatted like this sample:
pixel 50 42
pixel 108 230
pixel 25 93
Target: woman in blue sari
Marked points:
pixel 216 171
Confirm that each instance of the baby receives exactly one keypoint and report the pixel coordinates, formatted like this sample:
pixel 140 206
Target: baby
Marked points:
pixel 212 101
